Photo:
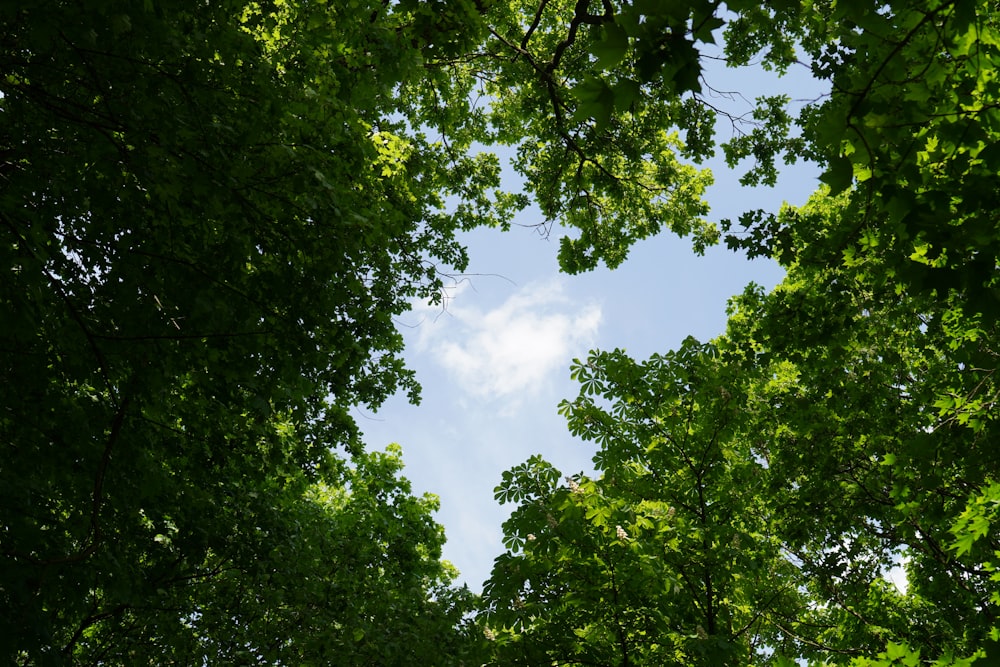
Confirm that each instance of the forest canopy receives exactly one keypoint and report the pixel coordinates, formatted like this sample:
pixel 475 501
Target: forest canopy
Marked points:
pixel 210 214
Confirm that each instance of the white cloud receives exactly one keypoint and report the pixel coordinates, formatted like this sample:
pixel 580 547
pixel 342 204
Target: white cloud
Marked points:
pixel 510 351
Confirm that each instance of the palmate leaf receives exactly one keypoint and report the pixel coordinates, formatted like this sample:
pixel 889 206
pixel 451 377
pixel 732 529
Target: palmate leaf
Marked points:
pixel 612 47
pixel 839 174
pixel 596 100
pixel 977 520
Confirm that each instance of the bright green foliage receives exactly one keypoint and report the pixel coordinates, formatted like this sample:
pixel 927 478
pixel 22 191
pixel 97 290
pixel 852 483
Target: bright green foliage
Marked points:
pixel 910 130
pixel 345 572
pixel 866 394
pixel 918 119
pixel 666 557
pixel 582 92
pixel 798 459
pixel 861 471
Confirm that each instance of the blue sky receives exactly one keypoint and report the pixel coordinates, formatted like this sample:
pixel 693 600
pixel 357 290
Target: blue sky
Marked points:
pixel 494 362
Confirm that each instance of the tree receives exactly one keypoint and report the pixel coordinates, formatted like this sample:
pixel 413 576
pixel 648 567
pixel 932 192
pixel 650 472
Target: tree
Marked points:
pixel 873 405
pixel 341 572
pixel 210 216
pixel 753 493
pixel 868 374
pixel 668 556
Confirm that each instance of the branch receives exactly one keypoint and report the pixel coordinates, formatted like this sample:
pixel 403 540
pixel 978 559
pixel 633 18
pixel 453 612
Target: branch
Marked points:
pixel 580 17
pixel 534 24
pixel 815 644
pixel 548 79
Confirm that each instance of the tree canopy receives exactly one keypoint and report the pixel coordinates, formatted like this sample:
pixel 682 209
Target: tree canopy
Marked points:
pixel 210 214
pixel 840 427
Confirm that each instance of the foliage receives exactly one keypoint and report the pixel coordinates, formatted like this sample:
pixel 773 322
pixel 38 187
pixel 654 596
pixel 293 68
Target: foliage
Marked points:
pixel 800 458
pixel 666 557
pixel 907 132
pixel 211 213
pixel 346 572
pixel 597 130
pixel 864 474
pixel 862 388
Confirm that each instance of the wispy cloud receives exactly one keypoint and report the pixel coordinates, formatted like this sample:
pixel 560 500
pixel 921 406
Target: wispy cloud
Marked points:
pixel 513 350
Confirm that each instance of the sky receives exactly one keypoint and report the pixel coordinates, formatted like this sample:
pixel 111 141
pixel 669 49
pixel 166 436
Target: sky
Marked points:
pixel 493 360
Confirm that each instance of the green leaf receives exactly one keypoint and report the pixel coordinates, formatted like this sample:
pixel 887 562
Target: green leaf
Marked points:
pixel 627 93
pixel 596 100
pixel 612 48
pixel 838 175
pixel 706 27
